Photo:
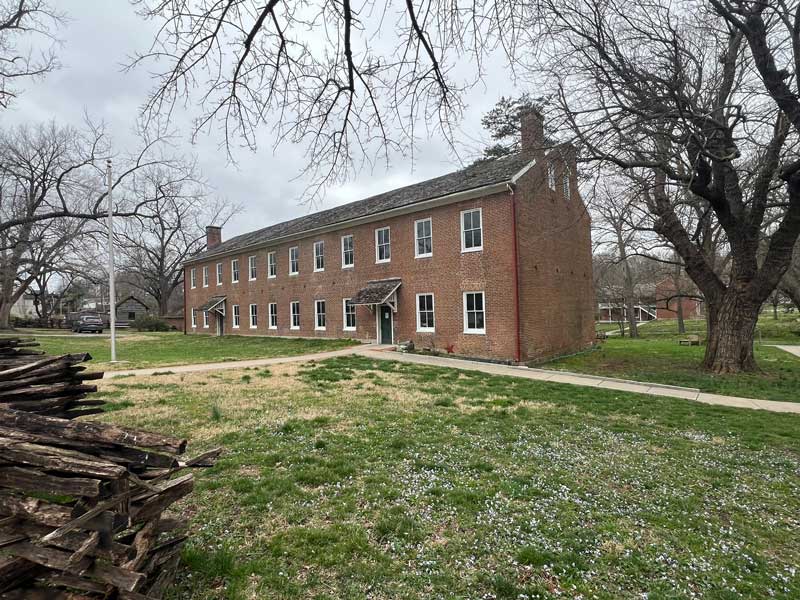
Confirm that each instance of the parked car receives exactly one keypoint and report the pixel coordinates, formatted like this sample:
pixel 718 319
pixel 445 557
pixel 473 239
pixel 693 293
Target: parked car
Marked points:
pixel 88 323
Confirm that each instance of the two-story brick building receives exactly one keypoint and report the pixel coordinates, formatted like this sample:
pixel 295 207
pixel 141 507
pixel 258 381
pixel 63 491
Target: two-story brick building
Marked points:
pixel 491 261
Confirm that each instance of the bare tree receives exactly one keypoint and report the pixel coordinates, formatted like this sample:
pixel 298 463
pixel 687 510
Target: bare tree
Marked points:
pixel 21 21
pixel 52 190
pixel 155 244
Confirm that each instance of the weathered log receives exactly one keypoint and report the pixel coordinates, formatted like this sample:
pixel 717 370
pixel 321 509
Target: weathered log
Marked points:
pixel 40 511
pixel 15 572
pixel 38 392
pixel 146 508
pixel 30 480
pixel 58 459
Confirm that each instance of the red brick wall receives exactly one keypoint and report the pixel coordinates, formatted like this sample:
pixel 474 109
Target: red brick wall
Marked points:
pixel 555 263
pixel 447 274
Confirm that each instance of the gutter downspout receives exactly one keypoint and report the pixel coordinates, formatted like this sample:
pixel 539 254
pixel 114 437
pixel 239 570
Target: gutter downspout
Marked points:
pixel 518 348
pixel 186 314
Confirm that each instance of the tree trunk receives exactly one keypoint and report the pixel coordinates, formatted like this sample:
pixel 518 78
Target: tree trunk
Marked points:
pixel 794 294
pixel 775 308
pixel 679 313
pixel 731 329
pixel 5 314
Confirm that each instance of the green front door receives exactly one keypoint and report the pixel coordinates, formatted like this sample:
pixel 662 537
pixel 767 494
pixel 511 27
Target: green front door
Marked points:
pixel 386 325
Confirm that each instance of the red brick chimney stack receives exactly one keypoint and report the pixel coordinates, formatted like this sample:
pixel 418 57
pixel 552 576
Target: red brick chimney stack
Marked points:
pixel 213 236
pixel 532 126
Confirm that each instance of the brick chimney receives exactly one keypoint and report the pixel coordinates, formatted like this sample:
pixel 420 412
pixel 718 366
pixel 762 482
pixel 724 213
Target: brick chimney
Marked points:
pixel 213 236
pixel 532 127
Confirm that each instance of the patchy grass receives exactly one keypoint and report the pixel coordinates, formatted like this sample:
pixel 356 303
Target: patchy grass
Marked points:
pixel 144 350
pixel 786 329
pixel 353 478
pixel 663 360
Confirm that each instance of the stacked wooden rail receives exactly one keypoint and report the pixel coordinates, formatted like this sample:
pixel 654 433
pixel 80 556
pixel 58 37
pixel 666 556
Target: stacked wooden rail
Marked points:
pixel 82 504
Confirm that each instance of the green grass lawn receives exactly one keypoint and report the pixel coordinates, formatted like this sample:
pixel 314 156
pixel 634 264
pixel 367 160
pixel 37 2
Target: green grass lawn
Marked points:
pixel 142 350
pixel 358 479
pixel 663 360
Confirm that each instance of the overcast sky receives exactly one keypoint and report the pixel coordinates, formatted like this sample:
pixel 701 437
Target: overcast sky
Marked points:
pixel 100 36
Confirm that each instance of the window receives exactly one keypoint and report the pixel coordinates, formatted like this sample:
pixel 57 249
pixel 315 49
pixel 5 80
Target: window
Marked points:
pixel 319 310
pixel 474 313
pixel 566 184
pixel 193 278
pixel 251 267
pixel 348 255
pixel 551 175
pixel 294 262
pixel 235 270
pixel 131 316
pixel 471 230
pixel 219 273
pixel 273 316
pixel 205 319
pixel 205 276
pixel 425 320
pixel 319 256
pixel 424 238
pixel 295 315
pixel 349 315
pixel 236 316
pixel 194 317
pixel 272 265
pixel 253 316
pixel 383 245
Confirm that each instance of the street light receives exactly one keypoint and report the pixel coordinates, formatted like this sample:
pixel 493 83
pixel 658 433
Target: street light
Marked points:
pixel 112 303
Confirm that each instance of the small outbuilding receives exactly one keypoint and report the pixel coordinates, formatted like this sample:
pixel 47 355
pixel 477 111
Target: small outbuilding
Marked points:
pixel 129 309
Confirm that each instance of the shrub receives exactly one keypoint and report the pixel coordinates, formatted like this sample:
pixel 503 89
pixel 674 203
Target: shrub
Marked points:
pixel 151 323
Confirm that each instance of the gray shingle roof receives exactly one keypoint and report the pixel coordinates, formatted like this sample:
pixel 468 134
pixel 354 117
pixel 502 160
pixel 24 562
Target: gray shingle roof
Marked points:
pixel 479 174
pixel 376 292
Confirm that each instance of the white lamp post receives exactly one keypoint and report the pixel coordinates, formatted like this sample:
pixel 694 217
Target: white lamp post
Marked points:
pixel 112 299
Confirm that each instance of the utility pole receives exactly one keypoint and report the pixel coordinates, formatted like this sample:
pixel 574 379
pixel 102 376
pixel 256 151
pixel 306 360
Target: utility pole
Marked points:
pixel 112 300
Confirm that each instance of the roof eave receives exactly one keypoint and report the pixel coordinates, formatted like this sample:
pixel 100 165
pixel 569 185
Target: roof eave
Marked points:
pixel 485 190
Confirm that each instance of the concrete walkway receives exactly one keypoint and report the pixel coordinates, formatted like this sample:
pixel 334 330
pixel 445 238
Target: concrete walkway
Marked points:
pixel 388 353
pixel 790 349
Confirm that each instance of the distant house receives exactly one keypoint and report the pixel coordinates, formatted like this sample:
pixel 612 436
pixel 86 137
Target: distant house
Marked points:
pixel 669 301
pixel 24 308
pixel 131 308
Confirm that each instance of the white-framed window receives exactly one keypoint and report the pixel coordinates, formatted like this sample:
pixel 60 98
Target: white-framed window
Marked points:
pixel 235 270
pixel 294 315
pixel 566 184
pixel 474 312
pixel 551 175
pixel 273 315
pixel 205 276
pixel 383 245
pixel 319 315
pixel 471 230
pixel 193 278
pixel 319 256
pixel 251 267
pixel 236 316
pixel 205 319
pixel 253 316
pixel 219 273
pixel 194 317
pixel 349 315
pixel 294 260
pixel 348 252
pixel 272 265
pixel 425 318
pixel 423 238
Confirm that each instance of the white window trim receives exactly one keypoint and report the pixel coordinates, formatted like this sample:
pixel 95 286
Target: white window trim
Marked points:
pixel 566 184
pixel 292 326
pixel 463 232
pixel 384 260
pixel 251 266
pixel 205 276
pixel 274 262
pixel 250 313
pixel 433 308
pixel 219 273
pixel 206 320
pixel 344 316
pixel 416 239
pixel 551 175
pixel 194 318
pixel 464 308
pixel 236 316
pixel 270 313
pixel 322 243
pixel 317 313
pixel 193 278
pixel 234 271
pixel 353 264
pixel 294 273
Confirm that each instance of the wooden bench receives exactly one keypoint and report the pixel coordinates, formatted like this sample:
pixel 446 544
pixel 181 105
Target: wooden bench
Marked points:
pixel 690 340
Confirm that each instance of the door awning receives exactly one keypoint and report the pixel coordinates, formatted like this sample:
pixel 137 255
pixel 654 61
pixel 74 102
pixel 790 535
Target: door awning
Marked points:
pixel 376 292
pixel 214 302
